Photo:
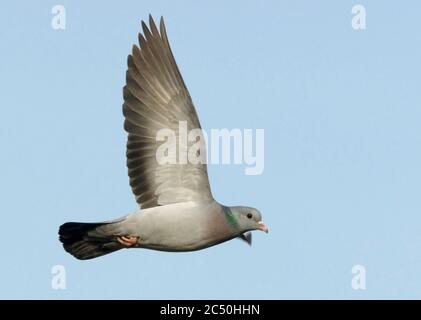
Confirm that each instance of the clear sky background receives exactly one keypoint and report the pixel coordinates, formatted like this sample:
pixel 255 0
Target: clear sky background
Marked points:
pixel 341 111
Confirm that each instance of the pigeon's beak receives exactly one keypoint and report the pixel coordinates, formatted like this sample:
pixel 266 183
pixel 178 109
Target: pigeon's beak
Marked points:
pixel 263 227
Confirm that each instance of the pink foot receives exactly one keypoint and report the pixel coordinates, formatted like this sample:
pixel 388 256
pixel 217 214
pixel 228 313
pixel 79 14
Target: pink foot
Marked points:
pixel 128 241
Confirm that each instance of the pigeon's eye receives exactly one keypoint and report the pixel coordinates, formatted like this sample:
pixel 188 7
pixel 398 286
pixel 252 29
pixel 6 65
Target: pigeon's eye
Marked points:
pixel 249 215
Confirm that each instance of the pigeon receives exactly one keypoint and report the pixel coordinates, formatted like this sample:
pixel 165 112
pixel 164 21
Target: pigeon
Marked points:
pixel 177 211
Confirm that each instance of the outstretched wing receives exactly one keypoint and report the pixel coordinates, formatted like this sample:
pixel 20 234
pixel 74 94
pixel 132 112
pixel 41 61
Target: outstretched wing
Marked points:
pixel 155 98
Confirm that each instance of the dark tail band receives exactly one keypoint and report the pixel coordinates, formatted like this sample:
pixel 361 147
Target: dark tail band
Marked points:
pixel 80 240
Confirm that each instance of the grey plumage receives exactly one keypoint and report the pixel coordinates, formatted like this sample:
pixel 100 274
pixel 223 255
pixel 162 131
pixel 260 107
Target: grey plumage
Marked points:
pixel 155 97
pixel 178 212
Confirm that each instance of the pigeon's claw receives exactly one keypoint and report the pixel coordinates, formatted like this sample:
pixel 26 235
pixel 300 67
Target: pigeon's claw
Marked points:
pixel 128 241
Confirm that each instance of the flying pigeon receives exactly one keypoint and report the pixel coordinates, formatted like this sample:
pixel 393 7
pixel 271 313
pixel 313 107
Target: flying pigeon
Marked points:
pixel 177 210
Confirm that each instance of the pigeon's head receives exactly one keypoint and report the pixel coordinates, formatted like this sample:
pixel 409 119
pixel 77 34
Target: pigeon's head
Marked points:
pixel 249 219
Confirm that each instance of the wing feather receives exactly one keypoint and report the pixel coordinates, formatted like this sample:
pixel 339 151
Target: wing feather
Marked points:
pixel 155 98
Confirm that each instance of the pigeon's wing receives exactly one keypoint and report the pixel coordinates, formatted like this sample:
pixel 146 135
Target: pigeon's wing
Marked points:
pixel 155 100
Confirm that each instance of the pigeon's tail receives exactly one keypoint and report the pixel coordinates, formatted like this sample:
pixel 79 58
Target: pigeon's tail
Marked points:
pixel 84 242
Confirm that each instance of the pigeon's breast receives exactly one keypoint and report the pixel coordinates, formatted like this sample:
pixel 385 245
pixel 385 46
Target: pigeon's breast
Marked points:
pixel 181 227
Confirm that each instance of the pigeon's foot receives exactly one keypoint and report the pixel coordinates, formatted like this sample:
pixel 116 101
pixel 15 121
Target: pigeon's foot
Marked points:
pixel 128 241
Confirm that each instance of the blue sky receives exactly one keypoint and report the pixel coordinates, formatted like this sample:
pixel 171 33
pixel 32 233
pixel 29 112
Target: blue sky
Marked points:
pixel 341 111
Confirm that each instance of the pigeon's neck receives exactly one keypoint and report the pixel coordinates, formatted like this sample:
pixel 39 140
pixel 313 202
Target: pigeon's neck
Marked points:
pixel 229 217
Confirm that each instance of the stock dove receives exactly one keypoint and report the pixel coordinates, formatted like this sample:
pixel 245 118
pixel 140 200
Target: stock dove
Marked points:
pixel 177 210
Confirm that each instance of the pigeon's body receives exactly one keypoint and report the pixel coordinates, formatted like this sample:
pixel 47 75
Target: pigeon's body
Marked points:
pixel 178 212
pixel 157 228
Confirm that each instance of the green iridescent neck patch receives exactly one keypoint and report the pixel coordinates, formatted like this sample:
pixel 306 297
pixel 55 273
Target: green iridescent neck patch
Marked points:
pixel 229 216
